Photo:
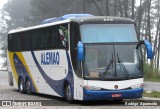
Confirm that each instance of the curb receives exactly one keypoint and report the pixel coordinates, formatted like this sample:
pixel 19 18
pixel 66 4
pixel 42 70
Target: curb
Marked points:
pixel 148 98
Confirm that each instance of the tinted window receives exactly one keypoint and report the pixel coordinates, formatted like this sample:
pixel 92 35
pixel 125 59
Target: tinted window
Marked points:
pixel 10 43
pixel 35 38
pixel 27 41
pixel 16 42
pixel 55 37
pixel 60 36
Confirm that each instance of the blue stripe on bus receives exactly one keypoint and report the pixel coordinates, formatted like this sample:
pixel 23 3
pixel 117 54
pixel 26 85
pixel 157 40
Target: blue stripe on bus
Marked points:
pixel 57 85
pixel 107 95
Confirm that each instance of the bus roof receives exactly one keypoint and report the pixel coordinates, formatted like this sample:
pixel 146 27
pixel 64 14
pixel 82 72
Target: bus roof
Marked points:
pixel 39 26
pixel 104 19
pixel 81 20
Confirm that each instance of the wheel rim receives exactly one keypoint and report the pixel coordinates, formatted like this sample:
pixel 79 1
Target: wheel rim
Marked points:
pixel 21 85
pixel 68 93
pixel 28 85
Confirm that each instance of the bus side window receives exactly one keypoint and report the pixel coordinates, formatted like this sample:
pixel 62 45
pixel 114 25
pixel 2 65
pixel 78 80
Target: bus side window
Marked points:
pixel 27 41
pixel 14 42
pixel 42 42
pixel 34 40
pixel 17 42
pixel 54 38
pixel 10 43
pixel 49 37
pixel 62 36
pixel 56 41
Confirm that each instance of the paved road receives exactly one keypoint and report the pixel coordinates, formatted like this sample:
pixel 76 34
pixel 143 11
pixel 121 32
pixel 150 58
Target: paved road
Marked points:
pixel 151 86
pixel 11 93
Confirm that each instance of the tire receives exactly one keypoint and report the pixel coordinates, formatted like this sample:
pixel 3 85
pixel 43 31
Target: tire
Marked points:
pixel 28 86
pixel 21 85
pixel 68 93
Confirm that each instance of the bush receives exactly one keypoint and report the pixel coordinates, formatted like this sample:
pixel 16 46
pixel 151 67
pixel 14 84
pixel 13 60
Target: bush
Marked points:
pixel 150 73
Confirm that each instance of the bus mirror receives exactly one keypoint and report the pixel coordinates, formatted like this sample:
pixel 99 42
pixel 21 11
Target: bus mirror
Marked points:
pixel 80 50
pixel 149 49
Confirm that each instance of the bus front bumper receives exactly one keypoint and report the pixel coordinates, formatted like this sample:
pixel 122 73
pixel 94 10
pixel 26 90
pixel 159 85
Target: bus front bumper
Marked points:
pixel 112 95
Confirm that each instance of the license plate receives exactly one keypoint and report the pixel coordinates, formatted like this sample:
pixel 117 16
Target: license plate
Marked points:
pixel 116 95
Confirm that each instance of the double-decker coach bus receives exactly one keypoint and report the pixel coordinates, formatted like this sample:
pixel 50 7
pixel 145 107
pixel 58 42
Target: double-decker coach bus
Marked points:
pixel 79 57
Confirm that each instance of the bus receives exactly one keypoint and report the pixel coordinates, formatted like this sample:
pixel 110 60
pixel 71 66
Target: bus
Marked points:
pixel 79 57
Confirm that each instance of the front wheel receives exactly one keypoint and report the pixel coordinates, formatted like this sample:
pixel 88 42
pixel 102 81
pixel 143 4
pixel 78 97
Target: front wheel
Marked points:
pixel 68 93
pixel 28 87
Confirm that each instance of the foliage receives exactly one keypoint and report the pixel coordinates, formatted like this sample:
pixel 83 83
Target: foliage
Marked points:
pixel 3 45
pixel 150 74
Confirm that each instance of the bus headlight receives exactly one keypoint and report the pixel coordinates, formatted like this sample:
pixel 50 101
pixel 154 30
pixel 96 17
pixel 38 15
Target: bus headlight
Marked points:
pixel 92 87
pixel 137 86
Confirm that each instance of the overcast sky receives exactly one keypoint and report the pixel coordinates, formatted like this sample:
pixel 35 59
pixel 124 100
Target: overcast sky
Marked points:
pixel 2 2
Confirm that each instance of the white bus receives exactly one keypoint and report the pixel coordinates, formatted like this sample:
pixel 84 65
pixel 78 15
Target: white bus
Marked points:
pixel 78 57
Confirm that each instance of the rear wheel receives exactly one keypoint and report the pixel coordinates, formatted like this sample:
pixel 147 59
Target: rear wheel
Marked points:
pixel 28 86
pixel 21 85
pixel 68 93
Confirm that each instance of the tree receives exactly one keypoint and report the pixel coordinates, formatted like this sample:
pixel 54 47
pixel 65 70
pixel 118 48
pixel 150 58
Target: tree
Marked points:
pixel 107 8
pixel 84 9
pixel 126 8
pixel 96 4
pixel 133 4
pixel 13 16
pixel 115 7
pixel 120 8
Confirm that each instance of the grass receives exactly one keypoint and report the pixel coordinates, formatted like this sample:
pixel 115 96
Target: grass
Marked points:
pixel 153 94
pixel 150 73
pixel 152 78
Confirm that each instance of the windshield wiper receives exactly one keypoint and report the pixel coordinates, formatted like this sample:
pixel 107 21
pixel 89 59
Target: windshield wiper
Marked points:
pixel 123 66
pixel 108 67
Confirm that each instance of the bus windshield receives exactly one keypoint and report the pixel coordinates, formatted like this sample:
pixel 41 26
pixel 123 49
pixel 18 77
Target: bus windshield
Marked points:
pixel 99 33
pixel 112 62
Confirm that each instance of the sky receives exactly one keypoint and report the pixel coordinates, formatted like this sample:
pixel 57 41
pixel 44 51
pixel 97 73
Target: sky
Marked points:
pixel 2 2
pixel 137 2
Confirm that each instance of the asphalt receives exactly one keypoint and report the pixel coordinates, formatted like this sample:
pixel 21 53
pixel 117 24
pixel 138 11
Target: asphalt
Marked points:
pixel 151 86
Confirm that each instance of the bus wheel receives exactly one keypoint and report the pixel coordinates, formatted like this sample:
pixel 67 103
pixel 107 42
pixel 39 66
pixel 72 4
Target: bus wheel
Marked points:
pixel 21 85
pixel 28 86
pixel 68 93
